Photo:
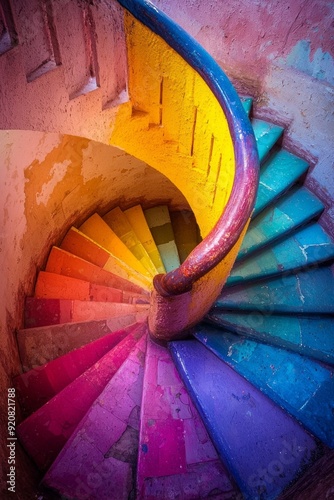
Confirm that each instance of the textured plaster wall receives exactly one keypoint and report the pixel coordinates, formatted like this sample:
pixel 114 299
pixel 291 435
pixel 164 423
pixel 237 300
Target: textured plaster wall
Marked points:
pixel 282 53
pixel 49 182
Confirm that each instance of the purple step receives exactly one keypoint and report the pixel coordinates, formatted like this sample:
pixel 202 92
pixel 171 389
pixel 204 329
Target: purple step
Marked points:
pixel 176 456
pixel 46 431
pixel 263 447
pixel 98 461
pixel 40 345
pixel 41 384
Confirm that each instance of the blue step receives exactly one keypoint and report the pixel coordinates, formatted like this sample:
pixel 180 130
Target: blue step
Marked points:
pixel 278 173
pixel 308 246
pixel 311 336
pixel 311 291
pixel 266 135
pixel 264 448
pixel 303 387
pixel 247 103
pixel 293 210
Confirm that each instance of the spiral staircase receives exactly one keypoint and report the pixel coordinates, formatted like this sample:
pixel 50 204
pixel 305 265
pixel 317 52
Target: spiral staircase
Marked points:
pixel 185 354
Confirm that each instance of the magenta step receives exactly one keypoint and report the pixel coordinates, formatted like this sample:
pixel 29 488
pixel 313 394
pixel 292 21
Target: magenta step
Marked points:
pixel 40 345
pixel 176 456
pixel 41 384
pixel 46 431
pixel 99 459
pixel 43 312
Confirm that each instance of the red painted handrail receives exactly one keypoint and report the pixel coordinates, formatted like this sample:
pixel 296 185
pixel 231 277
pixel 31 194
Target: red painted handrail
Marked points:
pixel 221 239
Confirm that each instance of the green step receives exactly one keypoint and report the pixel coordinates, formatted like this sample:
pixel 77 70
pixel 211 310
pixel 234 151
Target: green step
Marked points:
pixel 186 232
pixel 311 336
pixel 159 222
pixel 308 246
pixel 311 291
pixel 278 173
pixel 293 210
pixel 266 135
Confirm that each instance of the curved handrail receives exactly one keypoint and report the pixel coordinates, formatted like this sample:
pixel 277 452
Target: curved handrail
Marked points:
pixel 220 240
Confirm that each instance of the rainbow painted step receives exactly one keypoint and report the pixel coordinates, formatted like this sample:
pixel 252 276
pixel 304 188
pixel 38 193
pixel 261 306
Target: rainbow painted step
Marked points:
pixel 266 135
pixel 303 387
pixel 44 433
pixel 175 452
pixel 262 446
pixel 99 460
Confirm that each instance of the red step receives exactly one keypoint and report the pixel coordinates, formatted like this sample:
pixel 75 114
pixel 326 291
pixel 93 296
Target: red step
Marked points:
pixel 57 286
pixel 43 312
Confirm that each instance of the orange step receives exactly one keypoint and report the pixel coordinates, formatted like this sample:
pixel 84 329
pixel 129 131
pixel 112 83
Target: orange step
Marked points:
pixel 57 286
pixel 62 262
pixel 81 245
pixel 99 231
pixel 118 222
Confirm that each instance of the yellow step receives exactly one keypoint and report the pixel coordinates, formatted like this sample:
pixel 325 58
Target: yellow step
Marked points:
pixel 81 245
pixel 136 217
pixel 99 231
pixel 118 222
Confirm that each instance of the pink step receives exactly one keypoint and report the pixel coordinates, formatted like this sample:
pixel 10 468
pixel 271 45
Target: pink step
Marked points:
pixel 41 384
pixel 175 452
pixel 43 312
pixel 40 345
pixel 62 262
pixel 98 461
pixel 46 431
pixel 57 286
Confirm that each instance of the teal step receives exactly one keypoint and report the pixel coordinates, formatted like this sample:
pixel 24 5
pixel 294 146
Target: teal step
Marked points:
pixel 278 173
pixel 303 387
pixel 311 291
pixel 311 336
pixel 159 222
pixel 266 135
pixel 298 207
pixel 307 246
pixel 247 103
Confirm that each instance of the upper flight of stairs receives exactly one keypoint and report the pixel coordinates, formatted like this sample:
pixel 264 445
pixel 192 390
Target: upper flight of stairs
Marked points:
pixel 239 409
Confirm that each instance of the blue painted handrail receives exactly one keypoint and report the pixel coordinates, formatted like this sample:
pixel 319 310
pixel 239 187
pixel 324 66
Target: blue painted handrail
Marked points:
pixel 227 230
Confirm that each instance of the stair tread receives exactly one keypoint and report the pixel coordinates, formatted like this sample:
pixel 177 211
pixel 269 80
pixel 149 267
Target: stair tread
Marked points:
pixel 65 263
pixel 247 103
pixel 305 247
pixel 84 247
pixel 303 387
pixel 101 233
pixel 186 232
pixel 311 336
pixel 160 225
pixel 39 385
pixel 57 286
pixel 170 465
pixel 40 345
pixel 136 217
pixel 262 445
pixel 266 135
pixel 44 433
pixel 295 209
pixel 311 291
pixel 121 226
pixel 43 312
pixel 105 443
pixel 278 173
